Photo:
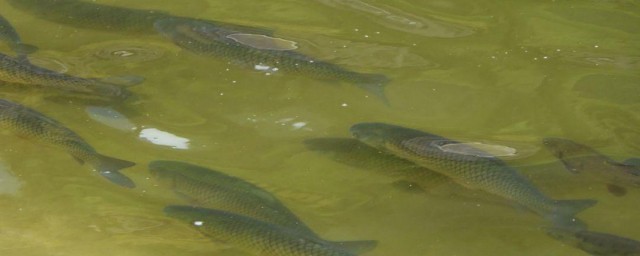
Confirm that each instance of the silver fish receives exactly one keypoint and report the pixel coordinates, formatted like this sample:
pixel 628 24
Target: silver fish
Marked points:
pixel 28 123
pixel 253 235
pixel 489 174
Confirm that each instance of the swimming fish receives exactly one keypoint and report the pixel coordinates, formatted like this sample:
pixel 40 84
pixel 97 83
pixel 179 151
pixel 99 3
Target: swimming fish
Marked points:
pixel 354 153
pixel 9 36
pixel 28 123
pixel 207 39
pixel 212 189
pixel 19 71
pixel 581 159
pixel 596 243
pixel 255 236
pixel 87 14
pixel 489 174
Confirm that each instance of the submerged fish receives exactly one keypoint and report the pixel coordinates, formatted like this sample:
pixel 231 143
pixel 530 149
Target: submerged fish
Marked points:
pixel 212 189
pixel 259 237
pixel 584 160
pixel 28 123
pixel 19 71
pixel 596 243
pixel 485 173
pixel 354 153
pixel 9 36
pixel 87 14
pixel 204 38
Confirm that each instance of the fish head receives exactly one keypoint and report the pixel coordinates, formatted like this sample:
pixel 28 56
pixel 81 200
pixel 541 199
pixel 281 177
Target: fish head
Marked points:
pixel 165 172
pixel 378 135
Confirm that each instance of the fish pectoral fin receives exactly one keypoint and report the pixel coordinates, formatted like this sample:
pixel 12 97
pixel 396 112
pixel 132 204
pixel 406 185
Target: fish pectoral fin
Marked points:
pixel 356 247
pixel 79 160
pixel 616 190
pixel 127 80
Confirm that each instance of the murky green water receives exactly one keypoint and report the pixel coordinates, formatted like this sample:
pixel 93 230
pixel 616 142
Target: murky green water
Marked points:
pixel 477 70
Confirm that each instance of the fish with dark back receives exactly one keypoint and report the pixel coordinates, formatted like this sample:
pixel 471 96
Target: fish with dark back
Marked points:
pixel 208 188
pixel 583 160
pixel 596 243
pixel 20 71
pixel 489 174
pixel 9 36
pixel 28 123
pixel 252 235
pixel 203 37
pixel 354 153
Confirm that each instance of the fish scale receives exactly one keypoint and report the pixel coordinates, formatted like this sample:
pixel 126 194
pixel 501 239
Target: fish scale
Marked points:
pixel 255 236
pixel 489 174
pixel 28 123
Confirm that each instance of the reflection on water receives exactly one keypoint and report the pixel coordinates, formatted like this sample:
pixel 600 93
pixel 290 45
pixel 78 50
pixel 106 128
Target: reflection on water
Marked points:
pixel 496 76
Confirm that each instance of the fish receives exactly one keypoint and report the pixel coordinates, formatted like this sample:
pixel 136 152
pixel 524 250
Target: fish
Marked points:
pixel 208 188
pixel 90 15
pixel 28 123
pixel 354 153
pixel 9 36
pixel 596 243
pixel 207 39
pixel 252 235
pixel 17 71
pixel 489 174
pixel 584 160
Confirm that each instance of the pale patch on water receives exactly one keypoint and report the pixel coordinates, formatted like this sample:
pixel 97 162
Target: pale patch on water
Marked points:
pixel 110 117
pixel 9 184
pixel 163 138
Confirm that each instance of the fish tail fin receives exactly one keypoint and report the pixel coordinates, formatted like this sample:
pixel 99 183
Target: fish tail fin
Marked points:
pixel 356 247
pixel 565 211
pixel 375 84
pixel 109 168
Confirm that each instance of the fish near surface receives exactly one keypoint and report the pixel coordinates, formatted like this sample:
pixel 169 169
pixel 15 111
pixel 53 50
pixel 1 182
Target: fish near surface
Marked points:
pixel 489 174
pixel 28 123
pixel 354 153
pixel 581 159
pixel 212 189
pixel 18 71
pixel 596 243
pixel 252 235
pixel 208 39
pixel 9 36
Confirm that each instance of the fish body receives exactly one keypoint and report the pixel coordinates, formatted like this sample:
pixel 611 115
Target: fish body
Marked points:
pixel 9 36
pixel 489 174
pixel 86 14
pixel 212 189
pixel 258 237
pixel 354 153
pixel 596 243
pixel 208 39
pixel 17 71
pixel 28 123
pixel 584 160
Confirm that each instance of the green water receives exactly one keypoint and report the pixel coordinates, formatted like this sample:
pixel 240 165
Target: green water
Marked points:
pixel 479 70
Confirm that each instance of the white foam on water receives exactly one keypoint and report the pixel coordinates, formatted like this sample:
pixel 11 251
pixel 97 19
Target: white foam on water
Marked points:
pixel 163 138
